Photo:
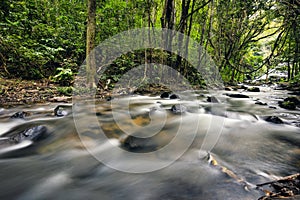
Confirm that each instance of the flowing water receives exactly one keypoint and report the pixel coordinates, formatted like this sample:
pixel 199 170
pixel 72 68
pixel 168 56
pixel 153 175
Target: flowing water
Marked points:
pixel 87 153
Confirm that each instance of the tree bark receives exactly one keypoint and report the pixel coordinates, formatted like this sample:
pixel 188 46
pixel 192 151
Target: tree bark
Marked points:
pixel 90 44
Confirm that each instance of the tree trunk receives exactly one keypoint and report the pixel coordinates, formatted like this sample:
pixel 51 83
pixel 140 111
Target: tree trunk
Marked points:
pixel 90 44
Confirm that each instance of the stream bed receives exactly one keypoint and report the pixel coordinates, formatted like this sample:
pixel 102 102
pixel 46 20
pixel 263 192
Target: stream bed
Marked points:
pixel 209 146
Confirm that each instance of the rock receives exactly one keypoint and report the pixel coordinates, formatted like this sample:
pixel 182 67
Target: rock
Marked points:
pixel 260 103
pixel 165 95
pixel 238 95
pixel 178 109
pixel 243 87
pixel 295 123
pixel 253 89
pixel 174 96
pixel 34 134
pixel 20 115
pixel 228 89
pixel 216 111
pixel 273 107
pixel 274 119
pixel 138 144
pixel 60 112
pixel 295 93
pixel 295 100
pixel 212 99
pixel 18 144
pixel 109 98
pixel 289 103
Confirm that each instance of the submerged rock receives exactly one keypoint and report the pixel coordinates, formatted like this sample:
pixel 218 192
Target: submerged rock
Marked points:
pixel 178 109
pixel 137 144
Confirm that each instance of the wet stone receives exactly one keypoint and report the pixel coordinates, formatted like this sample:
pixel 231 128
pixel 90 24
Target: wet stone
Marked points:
pixel 20 115
pixel 136 144
pixel 260 103
pixel 109 98
pixel 272 107
pixel 174 96
pixel 164 95
pixel 274 120
pixel 60 111
pixel 243 87
pixel 34 134
pixel 289 103
pixel 295 100
pixel 178 109
pixel 253 89
pixel 212 99
pixel 237 95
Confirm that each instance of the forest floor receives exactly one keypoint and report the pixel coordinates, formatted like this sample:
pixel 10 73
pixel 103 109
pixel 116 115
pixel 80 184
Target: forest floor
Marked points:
pixel 20 92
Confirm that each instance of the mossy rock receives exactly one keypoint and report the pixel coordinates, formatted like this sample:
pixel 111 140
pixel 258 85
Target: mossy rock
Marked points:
pixel 289 103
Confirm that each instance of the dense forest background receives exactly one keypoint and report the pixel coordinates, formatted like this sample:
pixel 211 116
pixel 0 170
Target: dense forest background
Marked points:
pixel 46 39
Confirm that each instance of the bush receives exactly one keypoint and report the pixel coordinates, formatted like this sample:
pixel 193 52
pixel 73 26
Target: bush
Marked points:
pixel 64 76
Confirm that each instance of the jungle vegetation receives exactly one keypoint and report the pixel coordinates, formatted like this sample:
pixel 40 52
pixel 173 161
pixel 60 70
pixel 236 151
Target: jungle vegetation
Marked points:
pixel 47 39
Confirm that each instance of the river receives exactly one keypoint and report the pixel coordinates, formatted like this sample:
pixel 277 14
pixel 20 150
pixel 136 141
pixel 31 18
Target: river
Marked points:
pixel 109 151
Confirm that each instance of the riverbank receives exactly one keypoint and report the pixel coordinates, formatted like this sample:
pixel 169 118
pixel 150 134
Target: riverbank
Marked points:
pixel 19 92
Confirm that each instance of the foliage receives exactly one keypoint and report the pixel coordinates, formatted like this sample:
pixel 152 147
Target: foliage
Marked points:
pixel 67 91
pixel 39 36
pixel 42 39
pixel 64 76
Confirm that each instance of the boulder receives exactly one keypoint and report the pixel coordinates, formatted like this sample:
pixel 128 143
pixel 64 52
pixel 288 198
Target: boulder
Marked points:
pixel 165 95
pixel 289 103
pixel 174 96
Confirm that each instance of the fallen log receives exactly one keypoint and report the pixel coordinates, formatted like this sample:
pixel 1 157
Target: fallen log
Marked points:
pixel 284 188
